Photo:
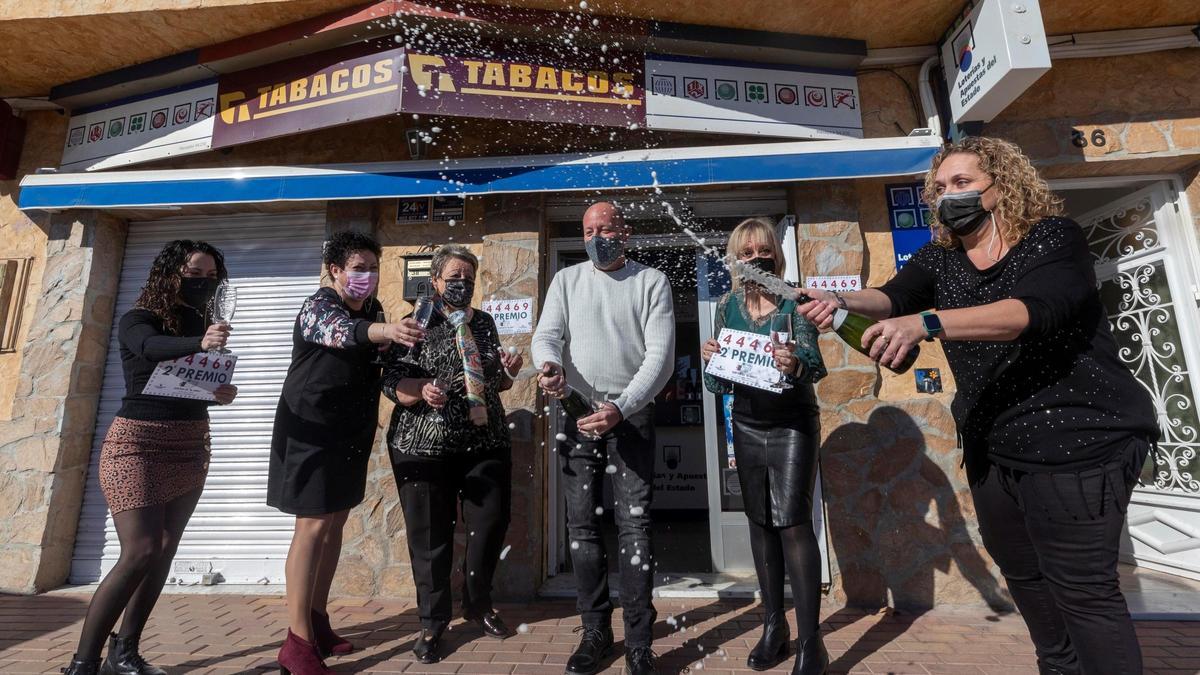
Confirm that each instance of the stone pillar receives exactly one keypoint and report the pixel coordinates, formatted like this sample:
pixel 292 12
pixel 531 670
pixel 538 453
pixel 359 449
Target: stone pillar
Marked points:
pixel 45 449
pixel 511 268
pixel 901 524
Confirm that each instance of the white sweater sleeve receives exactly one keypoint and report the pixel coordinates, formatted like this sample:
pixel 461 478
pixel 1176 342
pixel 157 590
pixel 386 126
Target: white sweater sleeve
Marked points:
pixel 551 333
pixel 659 363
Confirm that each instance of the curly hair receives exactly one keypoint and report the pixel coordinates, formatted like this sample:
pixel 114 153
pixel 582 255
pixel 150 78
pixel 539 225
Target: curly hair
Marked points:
pixel 161 292
pixel 1022 196
pixel 346 243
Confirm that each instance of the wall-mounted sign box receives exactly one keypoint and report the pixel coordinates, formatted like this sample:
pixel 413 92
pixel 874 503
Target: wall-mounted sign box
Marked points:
pixel 417 278
pixel 991 55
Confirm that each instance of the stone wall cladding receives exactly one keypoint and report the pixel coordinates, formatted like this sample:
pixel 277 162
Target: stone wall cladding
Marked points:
pixel 1148 109
pixel 46 447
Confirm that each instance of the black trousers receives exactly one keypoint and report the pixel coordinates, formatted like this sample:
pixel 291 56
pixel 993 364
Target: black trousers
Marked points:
pixel 1056 538
pixel 430 491
pixel 629 448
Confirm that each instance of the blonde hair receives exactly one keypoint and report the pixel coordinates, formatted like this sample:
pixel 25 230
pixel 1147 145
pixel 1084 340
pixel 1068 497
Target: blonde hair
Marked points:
pixel 1022 196
pixel 748 230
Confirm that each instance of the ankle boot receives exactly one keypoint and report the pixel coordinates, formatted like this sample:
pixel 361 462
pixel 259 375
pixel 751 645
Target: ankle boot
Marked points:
pixel 328 642
pixel 298 656
pixel 811 657
pixel 772 647
pixel 80 666
pixel 123 658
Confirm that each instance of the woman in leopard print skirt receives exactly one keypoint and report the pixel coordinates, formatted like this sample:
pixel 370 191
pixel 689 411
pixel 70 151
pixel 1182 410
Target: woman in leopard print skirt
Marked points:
pixel 155 456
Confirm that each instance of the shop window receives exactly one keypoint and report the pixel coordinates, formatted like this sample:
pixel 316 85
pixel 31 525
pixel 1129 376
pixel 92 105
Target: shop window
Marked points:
pixel 14 277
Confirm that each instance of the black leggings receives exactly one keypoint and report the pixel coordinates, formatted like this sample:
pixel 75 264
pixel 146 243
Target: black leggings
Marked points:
pixel 1056 538
pixel 795 546
pixel 149 537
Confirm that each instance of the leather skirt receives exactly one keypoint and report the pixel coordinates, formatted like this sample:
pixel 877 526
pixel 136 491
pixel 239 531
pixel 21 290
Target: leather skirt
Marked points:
pixel 777 466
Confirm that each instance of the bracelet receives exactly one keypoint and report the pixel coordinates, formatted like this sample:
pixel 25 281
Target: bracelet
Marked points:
pixel 840 300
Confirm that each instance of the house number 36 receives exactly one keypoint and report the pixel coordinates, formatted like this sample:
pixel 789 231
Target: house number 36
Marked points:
pixel 1081 140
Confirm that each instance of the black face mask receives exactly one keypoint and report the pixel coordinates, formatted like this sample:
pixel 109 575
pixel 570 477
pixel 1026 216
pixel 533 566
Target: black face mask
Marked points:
pixel 458 292
pixel 197 291
pixel 761 264
pixel 962 212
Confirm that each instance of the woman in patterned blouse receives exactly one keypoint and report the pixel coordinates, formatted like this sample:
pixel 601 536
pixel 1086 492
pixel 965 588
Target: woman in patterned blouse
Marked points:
pixel 449 437
pixel 324 430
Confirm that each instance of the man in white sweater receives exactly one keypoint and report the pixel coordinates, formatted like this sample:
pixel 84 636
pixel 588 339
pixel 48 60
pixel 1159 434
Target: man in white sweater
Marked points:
pixel 608 330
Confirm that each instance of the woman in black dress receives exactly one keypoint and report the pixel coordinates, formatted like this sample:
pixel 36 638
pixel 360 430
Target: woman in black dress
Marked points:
pixel 775 444
pixel 1054 427
pixel 324 430
pixel 155 455
pixel 449 442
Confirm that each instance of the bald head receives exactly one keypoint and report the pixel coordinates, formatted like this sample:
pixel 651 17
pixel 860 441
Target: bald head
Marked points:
pixel 604 216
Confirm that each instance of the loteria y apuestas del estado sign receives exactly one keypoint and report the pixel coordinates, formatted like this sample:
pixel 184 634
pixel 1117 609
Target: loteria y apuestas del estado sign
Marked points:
pixel 536 87
pixel 322 90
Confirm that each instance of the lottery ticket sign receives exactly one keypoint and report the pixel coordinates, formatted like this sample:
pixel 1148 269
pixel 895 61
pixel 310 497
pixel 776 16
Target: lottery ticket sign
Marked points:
pixel 745 358
pixel 195 376
pixel 513 316
pixel 836 283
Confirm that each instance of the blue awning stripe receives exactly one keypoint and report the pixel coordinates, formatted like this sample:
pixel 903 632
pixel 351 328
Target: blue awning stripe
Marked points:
pixel 196 187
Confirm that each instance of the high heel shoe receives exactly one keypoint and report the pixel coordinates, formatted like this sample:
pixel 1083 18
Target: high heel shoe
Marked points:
pixel 328 642
pixel 80 666
pixel 772 648
pixel 123 658
pixel 298 656
pixel 811 657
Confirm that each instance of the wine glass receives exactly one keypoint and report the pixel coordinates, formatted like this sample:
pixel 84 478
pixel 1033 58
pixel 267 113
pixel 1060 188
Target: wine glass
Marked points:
pixel 443 382
pixel 422 314
pixel 224 304
pixel 781 335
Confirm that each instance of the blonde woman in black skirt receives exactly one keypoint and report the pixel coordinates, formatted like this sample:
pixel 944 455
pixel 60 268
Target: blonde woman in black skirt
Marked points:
pixel 155 456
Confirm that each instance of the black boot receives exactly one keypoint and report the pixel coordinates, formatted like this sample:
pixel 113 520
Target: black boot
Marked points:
pixel 428 648
pixel 811 657
pixel 595 644
pixel 123 658
pixel 79 666
pixel 640 661
pixel 772 647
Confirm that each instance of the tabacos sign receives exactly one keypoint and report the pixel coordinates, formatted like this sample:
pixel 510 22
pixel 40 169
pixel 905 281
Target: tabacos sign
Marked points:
pixel 531 88
pixel 322 90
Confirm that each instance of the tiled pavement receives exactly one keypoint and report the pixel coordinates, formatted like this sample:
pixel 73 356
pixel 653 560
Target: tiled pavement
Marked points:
pixel 241 633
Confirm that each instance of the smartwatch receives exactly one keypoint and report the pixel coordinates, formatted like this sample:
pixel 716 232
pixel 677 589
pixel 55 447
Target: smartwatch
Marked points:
pixel 933 325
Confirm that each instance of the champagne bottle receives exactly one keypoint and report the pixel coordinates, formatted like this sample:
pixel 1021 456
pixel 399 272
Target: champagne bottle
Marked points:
pixel 576 404
pixel 850 327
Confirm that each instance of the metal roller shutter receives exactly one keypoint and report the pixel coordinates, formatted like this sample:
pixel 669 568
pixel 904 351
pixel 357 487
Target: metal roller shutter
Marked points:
pixel 275 262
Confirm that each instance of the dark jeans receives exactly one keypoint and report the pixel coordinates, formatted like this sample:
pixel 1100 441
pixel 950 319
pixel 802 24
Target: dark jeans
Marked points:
pixel 429 494
pixel 629 447
pixel 1056 538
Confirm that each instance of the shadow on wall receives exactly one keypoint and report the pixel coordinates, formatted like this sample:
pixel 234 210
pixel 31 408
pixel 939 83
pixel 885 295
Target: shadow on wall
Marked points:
pixel 897 519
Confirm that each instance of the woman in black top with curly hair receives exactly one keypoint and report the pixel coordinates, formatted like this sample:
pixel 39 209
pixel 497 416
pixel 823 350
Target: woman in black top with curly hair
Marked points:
pixel 155 455
pixel 1054 427
pixel 324 430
